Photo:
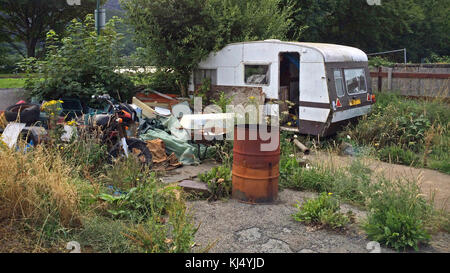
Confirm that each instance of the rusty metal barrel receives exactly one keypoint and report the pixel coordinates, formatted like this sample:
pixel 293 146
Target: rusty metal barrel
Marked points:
pixel 255 172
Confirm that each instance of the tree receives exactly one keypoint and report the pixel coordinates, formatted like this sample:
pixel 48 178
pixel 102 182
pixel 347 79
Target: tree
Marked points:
pixel 79 65
pixel 419 26
pixel 28 21
pixel 178 34
pixel 238 21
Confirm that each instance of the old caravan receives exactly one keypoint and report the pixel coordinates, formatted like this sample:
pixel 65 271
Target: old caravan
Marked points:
pixel 329 84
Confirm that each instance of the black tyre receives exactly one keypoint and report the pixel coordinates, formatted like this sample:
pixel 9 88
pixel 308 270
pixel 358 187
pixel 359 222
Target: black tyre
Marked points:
pixel 29 113
pixel 137 148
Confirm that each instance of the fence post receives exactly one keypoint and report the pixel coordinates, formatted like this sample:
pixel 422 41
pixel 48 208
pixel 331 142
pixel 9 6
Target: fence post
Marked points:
pixel 389 79
pixel 380 79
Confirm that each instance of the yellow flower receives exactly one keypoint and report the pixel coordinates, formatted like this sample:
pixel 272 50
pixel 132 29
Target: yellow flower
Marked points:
pixel 289 123
pixel 72 123
pixel 330 193
pixel 252 97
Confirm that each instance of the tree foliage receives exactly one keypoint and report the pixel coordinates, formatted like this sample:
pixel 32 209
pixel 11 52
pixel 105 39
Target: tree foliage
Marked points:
pixel 238 21
pixel 422 27
pixel 80 65
pixel 178 34
pixel 28 21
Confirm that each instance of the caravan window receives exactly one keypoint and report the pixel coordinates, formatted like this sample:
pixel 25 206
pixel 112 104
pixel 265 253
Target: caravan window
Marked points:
pixel 355 80
pixel 339 82
pixel 201 74
pixel 256 74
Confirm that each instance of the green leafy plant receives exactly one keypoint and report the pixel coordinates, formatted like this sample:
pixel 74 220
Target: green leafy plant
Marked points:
pixel 219 182
pixel 378 61
pixel 174 235
pixel 162 80
pixel 81 64
pixel 140 202
pixel 223 101
pixel 323 211
pixel 397 215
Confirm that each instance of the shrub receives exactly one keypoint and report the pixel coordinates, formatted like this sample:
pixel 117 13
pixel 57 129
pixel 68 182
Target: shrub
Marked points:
pixel 80 65
pixel 219 182
pixel 161 80
pixel 323 211
pixel 378 61
pixel 397 215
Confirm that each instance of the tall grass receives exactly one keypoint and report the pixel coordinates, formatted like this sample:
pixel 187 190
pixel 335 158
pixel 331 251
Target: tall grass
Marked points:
pixel 65 191
pixel 35 187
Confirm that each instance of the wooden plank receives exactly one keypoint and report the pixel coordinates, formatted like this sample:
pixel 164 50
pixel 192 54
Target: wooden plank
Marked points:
pixel 147 111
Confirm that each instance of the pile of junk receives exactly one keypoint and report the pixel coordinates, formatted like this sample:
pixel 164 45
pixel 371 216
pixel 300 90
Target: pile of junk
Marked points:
pixel 148 127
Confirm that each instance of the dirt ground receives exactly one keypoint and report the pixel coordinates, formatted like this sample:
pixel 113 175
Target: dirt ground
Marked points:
pixel 237 227
pixel 232 226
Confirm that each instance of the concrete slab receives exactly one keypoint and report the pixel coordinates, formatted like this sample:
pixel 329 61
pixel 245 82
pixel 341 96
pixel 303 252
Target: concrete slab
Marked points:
pixel 188 172
pixel 196 186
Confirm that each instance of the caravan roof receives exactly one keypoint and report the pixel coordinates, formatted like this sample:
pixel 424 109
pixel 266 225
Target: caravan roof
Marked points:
pixel 330 52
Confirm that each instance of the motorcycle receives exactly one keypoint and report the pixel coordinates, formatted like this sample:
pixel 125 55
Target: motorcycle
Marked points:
pixel 113 130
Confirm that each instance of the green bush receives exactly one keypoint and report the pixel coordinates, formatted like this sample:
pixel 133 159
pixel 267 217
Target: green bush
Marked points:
pixel 79 65
pixel 161 80
pixel 219 182
pixel 397 215
pixel 378 61
pixel 323 211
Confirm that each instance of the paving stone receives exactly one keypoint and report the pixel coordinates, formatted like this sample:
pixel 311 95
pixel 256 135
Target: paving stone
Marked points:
pixel 275 246
pixel 249 235
pixel 190 185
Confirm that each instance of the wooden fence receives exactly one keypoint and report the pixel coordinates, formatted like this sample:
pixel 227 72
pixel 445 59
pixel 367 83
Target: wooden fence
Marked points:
pixel 415 80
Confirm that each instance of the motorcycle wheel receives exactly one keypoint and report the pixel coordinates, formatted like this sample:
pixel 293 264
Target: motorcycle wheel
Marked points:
pixel 137 148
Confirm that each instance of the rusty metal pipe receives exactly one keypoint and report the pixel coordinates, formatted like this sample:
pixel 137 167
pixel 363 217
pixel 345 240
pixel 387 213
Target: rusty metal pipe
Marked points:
pixel 302 147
